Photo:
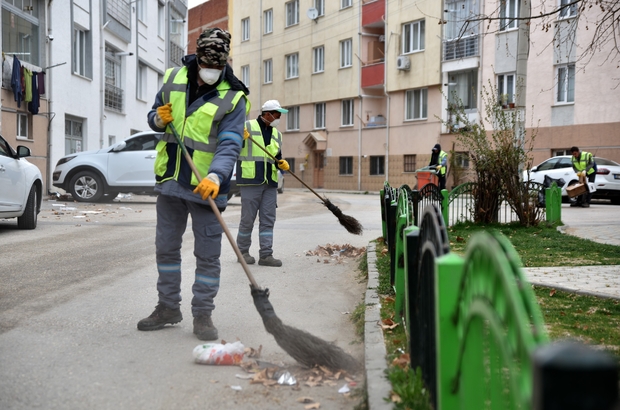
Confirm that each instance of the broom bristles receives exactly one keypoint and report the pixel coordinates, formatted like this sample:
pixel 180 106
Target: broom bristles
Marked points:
pixel 351 224
pixel 309 350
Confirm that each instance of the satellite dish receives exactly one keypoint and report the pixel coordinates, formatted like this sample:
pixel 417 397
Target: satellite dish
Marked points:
pixel 312 13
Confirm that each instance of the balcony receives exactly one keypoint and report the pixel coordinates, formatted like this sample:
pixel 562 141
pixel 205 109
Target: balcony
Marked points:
pixel 373 75
pixel 460 48
pixel 372 13
pixel 114 97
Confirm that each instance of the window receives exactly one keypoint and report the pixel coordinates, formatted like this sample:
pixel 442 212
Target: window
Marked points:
pixel 566 84
pixel 318 59
pixel 558 152
pixel 268 70
pixel 141 85
pixel 409 163
pixel 79 52
pixel 416 104
pixel 462 88
pixel 20 36
pixel 161 19
pixel 292 119
pixel 461 159
pixel 319 5
pixel 461 30
pixel 506 88
pixel 346 165
pixel 245 75
pixel 268 19
pixel 141 10
pixel 292 13
pixel 113 87
pixel 319 115
pixel 73 136
pixel 508 13
pixel 413 36
pixel 568 11
pixel 347 112
pixel 377 165
pixel 345 3
pixel 22 125
pixel 292 66
pixel 245 29
pixel 346 53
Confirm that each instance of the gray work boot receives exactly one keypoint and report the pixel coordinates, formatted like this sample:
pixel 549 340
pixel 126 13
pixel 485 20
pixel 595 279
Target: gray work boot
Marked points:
pixel 160 317
pixel 203 328
pixel 269 261
pixel 248 259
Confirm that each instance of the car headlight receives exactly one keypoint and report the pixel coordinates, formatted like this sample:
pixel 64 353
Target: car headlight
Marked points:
pixel 64 160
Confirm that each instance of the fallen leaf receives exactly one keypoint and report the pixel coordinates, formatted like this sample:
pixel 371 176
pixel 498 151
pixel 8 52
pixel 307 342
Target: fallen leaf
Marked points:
pixel 395 398
pixel 552 292
pixel 312 406
pixel 305 400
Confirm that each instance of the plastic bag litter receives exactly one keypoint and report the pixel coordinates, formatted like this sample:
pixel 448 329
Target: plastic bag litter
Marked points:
pixel 217 353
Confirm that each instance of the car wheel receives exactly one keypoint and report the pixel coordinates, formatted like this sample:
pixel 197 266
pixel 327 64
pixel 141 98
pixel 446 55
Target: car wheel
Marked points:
pixel 86 186
pixel 109 196
pixel 29 219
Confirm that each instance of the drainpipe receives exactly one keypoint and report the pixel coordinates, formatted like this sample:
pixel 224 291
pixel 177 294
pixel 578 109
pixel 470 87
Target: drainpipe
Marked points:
pixel 361 100
pixel 523 51
pixel 260 54
pixel 48 171
pixel 101 73
pixel 387 95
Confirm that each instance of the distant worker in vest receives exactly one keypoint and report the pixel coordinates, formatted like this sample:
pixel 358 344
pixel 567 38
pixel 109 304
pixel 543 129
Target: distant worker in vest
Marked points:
pixel 584 166
pixel 207 105
pixel 257 178
pixel 439 159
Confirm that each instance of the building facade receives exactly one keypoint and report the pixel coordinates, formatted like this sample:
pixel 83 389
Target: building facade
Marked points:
pixel 103 61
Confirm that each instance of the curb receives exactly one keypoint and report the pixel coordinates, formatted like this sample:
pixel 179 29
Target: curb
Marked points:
pixel 378 386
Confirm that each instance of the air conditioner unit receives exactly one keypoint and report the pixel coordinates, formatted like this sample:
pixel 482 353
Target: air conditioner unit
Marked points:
pixel 403 63
pixel 382 38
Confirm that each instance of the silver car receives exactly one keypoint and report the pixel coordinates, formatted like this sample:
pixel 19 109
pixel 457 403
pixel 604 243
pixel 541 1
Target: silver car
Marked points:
pixel 607 180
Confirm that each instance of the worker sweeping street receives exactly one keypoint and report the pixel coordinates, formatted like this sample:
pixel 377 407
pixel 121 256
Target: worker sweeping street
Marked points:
pixel 208 105
pixel 257 178
pixel 439 159
pixel 584 166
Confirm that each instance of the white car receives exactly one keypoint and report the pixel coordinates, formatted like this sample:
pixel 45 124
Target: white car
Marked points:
pixel 100 175
pixel 607 180
pixel 21 184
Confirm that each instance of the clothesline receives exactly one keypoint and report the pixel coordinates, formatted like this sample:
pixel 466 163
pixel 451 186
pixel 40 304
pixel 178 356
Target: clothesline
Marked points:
pixel 27 82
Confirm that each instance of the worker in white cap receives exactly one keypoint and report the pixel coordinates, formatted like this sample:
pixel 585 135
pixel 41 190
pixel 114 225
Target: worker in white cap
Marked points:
pixel 257 178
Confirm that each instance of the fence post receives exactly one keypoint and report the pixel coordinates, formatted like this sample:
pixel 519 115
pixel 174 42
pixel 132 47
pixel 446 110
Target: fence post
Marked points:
pixel 383 225
pixel 570 375
pixel 448 275
pixel 445 211
pixel 411 237
pixel 553 203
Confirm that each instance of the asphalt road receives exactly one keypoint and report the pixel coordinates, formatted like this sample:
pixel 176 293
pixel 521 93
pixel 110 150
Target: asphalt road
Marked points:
pixel 72 291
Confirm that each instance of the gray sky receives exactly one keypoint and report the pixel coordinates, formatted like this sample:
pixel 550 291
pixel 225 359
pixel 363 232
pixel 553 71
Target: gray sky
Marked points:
pixel 194 3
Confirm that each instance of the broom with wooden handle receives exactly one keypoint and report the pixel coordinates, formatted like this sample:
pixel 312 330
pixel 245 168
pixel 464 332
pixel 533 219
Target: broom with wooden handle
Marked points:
pixel 307 349
pixel 350 224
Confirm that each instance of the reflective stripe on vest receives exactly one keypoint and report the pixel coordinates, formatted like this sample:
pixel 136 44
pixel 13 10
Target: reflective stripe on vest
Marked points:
pixel 248 152
pixel 582 163
pixel 442 155
pixel 251 156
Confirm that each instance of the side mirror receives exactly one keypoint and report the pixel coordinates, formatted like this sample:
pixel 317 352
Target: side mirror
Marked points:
pixel 23 151
pixel 534 169
pixel 119 147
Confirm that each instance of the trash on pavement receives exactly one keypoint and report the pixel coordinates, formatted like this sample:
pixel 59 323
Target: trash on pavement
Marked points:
pixel 217 353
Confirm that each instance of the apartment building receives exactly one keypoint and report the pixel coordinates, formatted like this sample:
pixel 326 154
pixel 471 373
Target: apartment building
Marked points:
pixel 359 80
pixel 103 62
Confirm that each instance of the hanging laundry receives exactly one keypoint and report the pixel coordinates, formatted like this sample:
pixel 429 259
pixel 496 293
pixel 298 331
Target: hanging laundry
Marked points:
pixel 16 81
pixel 33 106
pixel 41 82
pixel 27 85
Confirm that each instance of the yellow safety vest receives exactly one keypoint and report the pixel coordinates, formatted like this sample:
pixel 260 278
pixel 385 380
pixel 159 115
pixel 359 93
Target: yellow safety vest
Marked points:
pixel 582 163
pixel 254 160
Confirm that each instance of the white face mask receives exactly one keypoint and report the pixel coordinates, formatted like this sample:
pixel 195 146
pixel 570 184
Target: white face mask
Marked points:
pixel 209 75
pixel 275 123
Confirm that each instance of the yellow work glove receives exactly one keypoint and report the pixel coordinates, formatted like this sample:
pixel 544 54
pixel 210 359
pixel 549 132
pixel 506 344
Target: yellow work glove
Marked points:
pixel 438 167
pixel 283 165
pixel 164 115
pixel 246 134
pixel 210 185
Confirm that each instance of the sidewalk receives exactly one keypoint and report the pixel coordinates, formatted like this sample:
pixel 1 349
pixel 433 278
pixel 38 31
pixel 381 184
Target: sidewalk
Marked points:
pixel 599 223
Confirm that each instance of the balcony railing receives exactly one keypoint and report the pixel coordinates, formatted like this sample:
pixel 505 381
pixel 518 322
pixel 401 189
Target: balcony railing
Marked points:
pixel 373 12
pixel 176 53
pixel 461 48
pixel 372 74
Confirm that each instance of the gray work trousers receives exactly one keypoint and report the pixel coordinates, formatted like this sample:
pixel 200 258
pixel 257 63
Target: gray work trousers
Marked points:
pixel 172 213
pixel 261 199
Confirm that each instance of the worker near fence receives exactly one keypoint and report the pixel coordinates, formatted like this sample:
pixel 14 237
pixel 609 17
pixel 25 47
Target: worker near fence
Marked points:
pixel 207 105
pixel 257 178
pixel 439 159
pixel 584 166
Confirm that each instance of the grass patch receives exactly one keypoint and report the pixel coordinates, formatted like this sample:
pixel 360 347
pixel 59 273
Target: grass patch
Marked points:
pixel 541 245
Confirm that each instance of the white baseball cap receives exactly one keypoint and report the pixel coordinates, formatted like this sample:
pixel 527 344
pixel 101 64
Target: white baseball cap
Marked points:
pixel 273 105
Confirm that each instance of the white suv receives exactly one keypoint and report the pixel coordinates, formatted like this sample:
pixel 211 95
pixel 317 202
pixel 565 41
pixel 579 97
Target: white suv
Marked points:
pixel 21 184
pixel 100 175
